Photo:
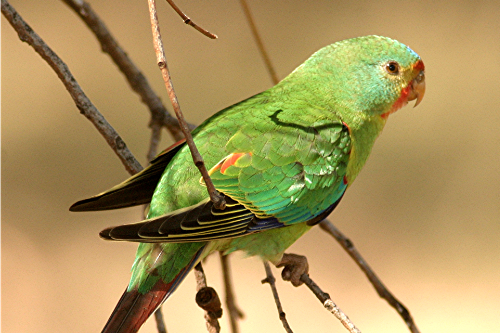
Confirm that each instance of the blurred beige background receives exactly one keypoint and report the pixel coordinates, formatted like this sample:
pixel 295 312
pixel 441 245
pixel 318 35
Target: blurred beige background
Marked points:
pixel 424 212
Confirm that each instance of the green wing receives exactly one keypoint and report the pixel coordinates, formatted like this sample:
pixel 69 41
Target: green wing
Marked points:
pixel 292 169
pixel 284 165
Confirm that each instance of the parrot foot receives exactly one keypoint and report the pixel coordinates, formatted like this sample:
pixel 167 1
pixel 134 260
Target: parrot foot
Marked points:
pixel 295 265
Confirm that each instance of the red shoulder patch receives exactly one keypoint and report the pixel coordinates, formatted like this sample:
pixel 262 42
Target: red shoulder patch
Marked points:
pixel 231 160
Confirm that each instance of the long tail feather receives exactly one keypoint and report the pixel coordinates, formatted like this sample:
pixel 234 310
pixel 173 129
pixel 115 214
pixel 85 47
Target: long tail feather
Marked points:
pixel 134 307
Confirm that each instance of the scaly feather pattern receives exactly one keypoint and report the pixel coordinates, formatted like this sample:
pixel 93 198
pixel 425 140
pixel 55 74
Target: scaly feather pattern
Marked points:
pixel 283 158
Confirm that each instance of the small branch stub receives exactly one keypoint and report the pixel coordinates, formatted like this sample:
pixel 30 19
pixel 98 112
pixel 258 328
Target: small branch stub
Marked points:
pixel 208 300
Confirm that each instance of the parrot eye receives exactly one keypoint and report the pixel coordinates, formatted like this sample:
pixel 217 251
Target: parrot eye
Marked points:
pixel 392 68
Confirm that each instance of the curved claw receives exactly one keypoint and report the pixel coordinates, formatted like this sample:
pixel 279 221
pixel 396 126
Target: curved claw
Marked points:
pixel 295 265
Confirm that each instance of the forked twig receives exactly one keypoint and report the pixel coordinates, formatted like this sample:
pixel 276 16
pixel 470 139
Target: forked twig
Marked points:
pixel 215 197
pixel 375 281
pixel 188 21
pixel 234 312
pixel 136 79
pixel 327 302
pixel 272 282
pixel 83 103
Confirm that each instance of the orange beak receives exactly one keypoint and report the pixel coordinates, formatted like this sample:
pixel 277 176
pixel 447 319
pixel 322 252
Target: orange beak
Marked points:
pixel 417 90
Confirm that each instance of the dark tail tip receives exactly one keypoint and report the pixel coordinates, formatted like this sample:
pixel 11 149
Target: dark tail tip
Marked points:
pixel 134 308
pixel 105 234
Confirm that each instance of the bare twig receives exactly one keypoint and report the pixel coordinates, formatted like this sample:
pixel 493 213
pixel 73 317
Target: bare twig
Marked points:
pixel 160 323
pixel 26 34
pixel 272 282
pixel 234 312
pixel 216 198
pixel 188 21
pixel 258 40
pixel 207 299
pixel 377 284
pixel 136 79
pixel 329 304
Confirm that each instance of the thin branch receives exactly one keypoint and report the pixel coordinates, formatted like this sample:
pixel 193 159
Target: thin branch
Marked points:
pixel 329 304
pixel 272 282
pixel 375 281
pixel 136 79
pixel 207 299
pixel 83 103
pixel 215 197
pixel 234 312
pixel 188 21
pixel 258 40
pixel 154 142
pixel 160 323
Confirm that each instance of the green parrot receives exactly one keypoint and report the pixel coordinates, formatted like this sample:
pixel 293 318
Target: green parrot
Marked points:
pixel 282 159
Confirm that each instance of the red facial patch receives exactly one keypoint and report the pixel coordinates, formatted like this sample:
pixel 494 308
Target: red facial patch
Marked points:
pixel 401 101
pixel 403 98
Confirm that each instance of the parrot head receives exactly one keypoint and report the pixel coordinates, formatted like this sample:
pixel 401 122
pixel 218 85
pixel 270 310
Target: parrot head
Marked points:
pixel 371 74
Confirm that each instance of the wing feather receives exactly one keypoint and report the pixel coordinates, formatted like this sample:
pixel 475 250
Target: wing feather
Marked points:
pixel 136 190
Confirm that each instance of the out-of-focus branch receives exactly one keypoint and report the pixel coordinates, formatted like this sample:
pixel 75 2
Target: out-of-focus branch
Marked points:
pixel 136 79
pixel 215 197
pixel 234 312
pixel 154 142
pixel 375 281
pixel 188 21
pixel 327 302
pixel 83 103
pixel 258 41
pixel 272 282
pixel 207 299
pixel 160 323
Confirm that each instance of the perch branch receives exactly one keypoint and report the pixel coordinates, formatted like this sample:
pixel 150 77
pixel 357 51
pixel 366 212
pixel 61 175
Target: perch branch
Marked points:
pixel 136 79
pixel 207 299
pixel 375 281
pixel 188 21
pixel 83 103
pixel 327 302
pixel 234 312
pixel 216 198
pixel 258 40
pixel 272 282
